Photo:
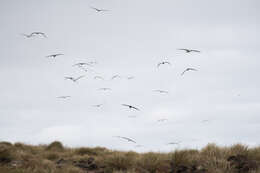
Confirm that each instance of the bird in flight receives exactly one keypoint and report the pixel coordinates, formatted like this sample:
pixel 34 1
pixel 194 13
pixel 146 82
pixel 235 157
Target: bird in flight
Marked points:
pixel 163 63
pixel 80 64
pixel 161 91
pixel 128 139
pixel 105 89
pixel 130 77
pixel 162 120
pixel 63 97
pixel 99 77
pixel 74 79
pixel 34 34
pixel 174 143
pixel 98 10
pixel 189 50
pixel 188 69
pixel 54 55
pixel 115 76
pixel 131 107
pixel 98 105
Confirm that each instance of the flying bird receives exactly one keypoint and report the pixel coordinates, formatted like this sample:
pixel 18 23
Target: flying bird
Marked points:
pixel 63 97
pixel 98 10
pixel 189 50
pixel 163 63
pixel 188 69
pixel 130 77
pixel 131 107
pixel 115 76
pixel 161 91
pixel 174 143
pixel 99 77
pixel 54 55
pixel 74 79
pixel 98 105
pixel 34 34
pixel 128 139
pixel 80 64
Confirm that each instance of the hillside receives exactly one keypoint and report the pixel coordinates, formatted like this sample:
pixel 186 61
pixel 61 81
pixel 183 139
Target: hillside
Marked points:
pixel 55 158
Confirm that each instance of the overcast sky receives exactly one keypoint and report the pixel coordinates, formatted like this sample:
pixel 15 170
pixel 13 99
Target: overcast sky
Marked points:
pixel 130 40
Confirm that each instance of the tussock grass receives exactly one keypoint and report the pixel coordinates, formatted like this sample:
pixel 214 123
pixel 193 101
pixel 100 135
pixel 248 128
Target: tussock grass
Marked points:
pixel 55 158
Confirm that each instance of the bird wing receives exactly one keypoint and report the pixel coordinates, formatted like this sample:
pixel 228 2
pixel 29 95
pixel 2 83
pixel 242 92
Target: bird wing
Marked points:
pixel 193 50
pixel 184 50
pixel 183 72
pixel 192 69
pixel 158 65
pixel 130 140
pixel 79 78
pixel 126 105
pixel 135 108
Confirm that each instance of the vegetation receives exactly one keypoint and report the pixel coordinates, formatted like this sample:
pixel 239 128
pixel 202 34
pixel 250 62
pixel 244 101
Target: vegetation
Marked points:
pixel 55 158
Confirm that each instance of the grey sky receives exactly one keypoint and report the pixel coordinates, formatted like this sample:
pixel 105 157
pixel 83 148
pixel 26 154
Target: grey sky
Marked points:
pixel 130 40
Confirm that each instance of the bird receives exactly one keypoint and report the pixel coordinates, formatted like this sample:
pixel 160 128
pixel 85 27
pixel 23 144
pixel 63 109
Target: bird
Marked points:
pixel 99 77
pixel 105 89
pixel 98 10
pixel 190 50
pixel 162 63
pixel 128 139
pixel 205 121
pixel 98 105
pixel 161 91
pixel 80 64
pixel 115 76
pixel 74 79
pixel 162 120
pixel 34 34
pixel 130 77
pixel 188 69
pixel 137 146
pixel 131 107
pixel 63 97
pixel 54 55
pixel 174 143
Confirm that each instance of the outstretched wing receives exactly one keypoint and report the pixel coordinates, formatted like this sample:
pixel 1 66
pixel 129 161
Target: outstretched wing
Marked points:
pixel 79 78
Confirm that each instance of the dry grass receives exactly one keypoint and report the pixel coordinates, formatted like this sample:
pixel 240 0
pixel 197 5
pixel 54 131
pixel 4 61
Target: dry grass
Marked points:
pixel 55 158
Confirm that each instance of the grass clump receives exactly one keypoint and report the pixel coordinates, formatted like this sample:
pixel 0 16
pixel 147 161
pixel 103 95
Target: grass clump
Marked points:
pixel 55 146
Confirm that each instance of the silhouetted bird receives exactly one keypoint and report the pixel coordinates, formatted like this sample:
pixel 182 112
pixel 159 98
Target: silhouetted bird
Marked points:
pixel 131 107
pixel 74 79
pixel 115 76
pixel 161 91
pixel 98 10
pixel 189 50
pixel 188 69
pixel 128 139
pixel 98 105
pixel 163 63
pixel 34 34
pixel 54 55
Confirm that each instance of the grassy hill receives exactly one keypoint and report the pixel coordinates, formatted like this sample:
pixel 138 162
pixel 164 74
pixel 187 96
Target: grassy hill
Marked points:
pixel 55 158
